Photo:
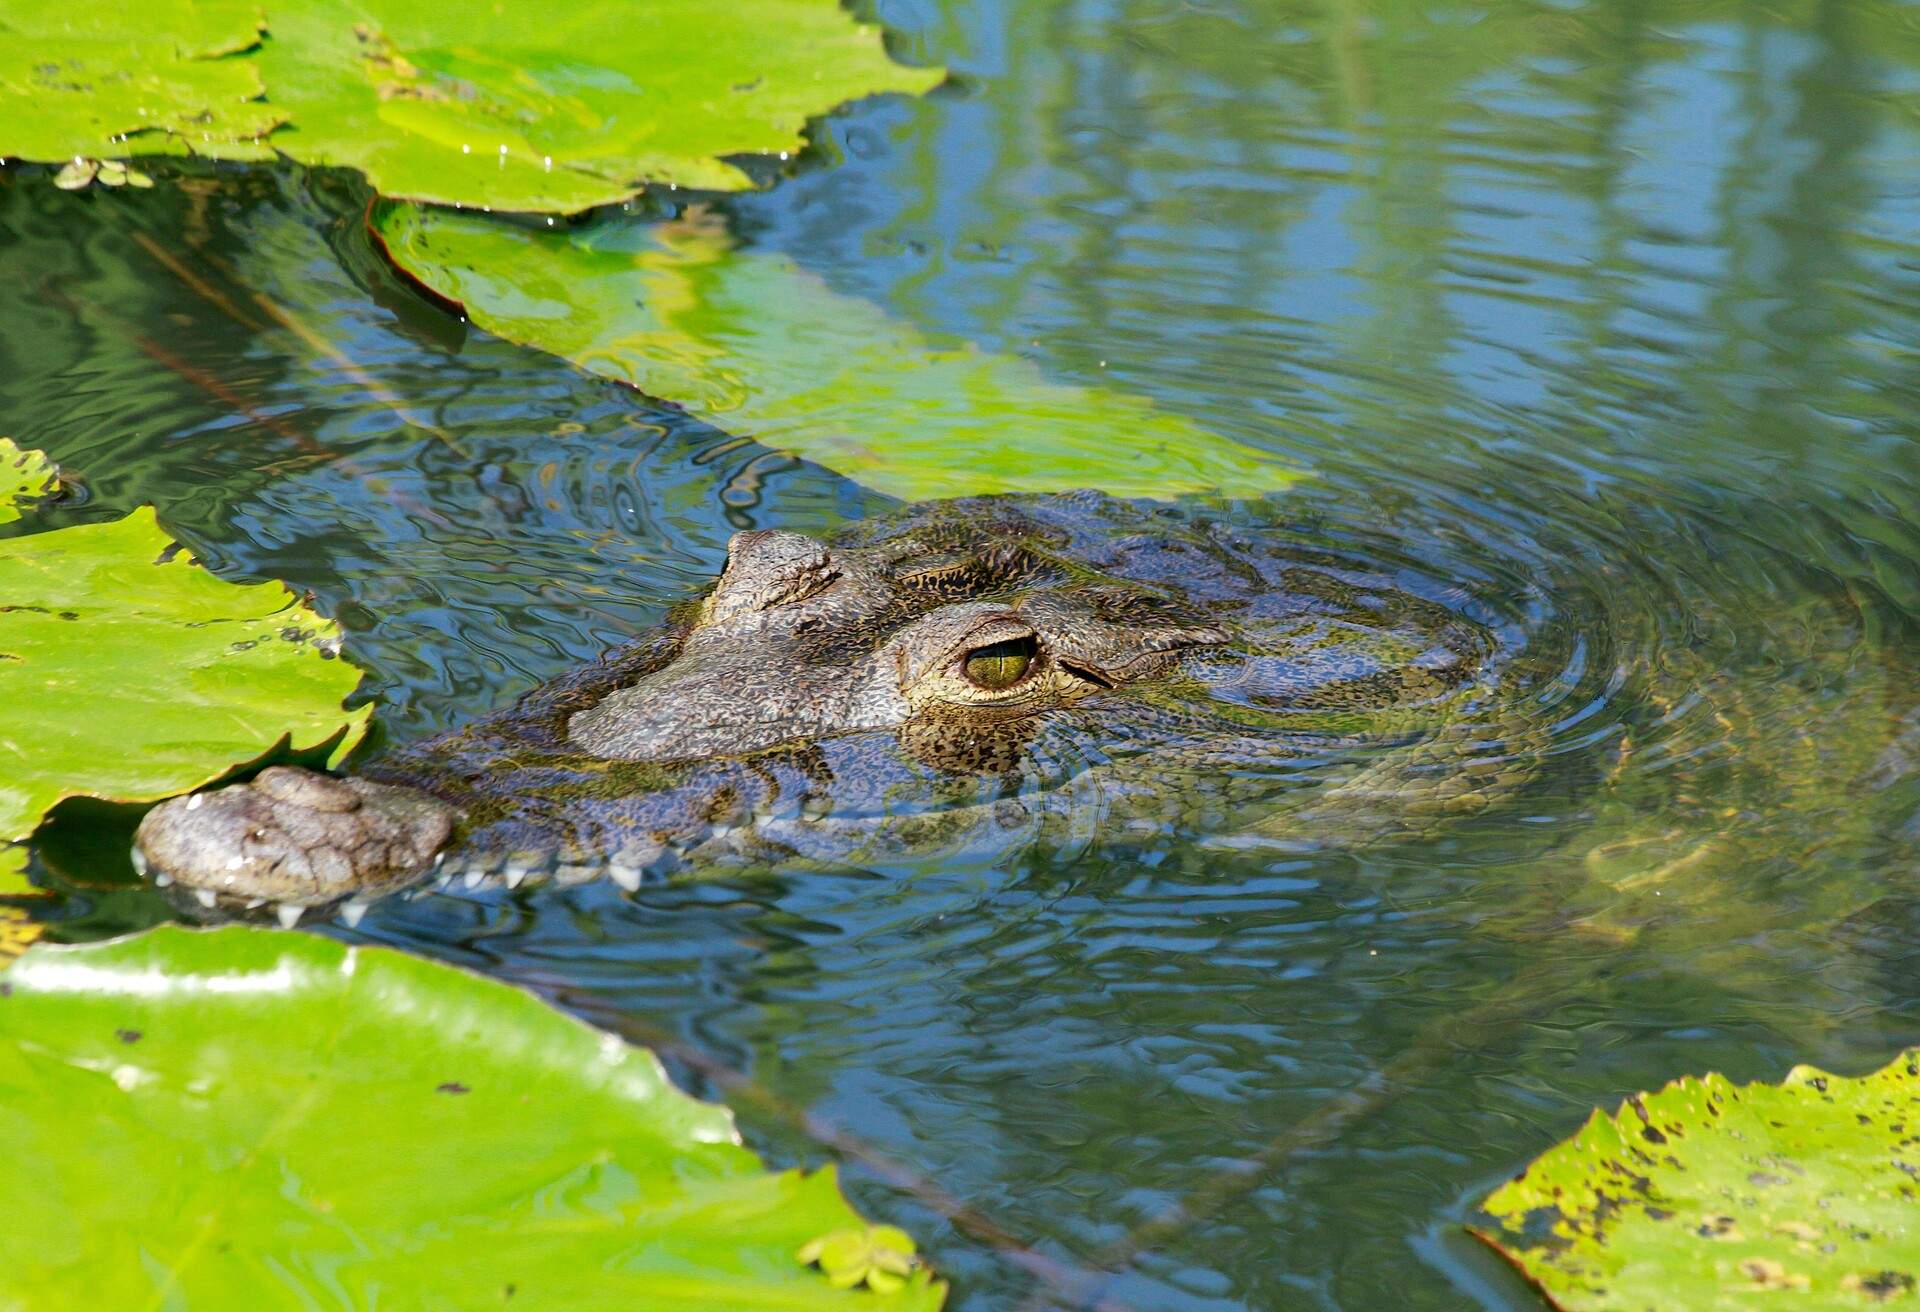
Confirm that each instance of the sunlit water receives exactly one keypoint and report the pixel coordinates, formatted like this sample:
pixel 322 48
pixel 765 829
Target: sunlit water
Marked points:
pixel 1599 321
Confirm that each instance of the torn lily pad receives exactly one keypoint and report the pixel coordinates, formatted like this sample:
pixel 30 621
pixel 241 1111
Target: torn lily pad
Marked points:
pixel 1708 1195
pixel 25 476
pixel 757 346
pixel 207 1115
pixel 134 674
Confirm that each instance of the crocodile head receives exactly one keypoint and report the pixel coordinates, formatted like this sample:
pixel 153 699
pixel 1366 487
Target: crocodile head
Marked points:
pixel 957 675
pixel 801 641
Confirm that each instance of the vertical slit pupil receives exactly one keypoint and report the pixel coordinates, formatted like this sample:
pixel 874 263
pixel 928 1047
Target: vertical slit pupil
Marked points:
pixel 1001 664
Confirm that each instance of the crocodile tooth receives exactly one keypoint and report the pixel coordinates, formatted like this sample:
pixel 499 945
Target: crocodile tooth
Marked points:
pixel 162 879
pixel 350 914
pixel 528 864
pixel 480 867
pixel 640 855
pixel 193 803
pixel 206 897
pixel 255 903
pixel 288 914
pixel 139 862
pixel 439 858
pixel 628 877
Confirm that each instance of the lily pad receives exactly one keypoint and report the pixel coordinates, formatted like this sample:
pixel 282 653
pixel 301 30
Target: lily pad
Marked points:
pixel 133 674
pixel 13 871
pixel 755 345
pixel 1707 1194
pixel 879 1257
pixel 24 476
pixel 517 106
pixel 250 1118
pixel 97 80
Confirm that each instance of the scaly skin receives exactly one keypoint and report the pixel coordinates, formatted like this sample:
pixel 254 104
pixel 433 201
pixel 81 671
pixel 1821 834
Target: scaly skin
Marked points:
pixel 850 701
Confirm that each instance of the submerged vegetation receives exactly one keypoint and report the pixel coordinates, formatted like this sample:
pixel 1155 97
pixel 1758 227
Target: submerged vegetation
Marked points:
pixel 754 344
pixel 1489 336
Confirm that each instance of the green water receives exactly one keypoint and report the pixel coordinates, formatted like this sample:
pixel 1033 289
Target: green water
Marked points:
pixel 1607 313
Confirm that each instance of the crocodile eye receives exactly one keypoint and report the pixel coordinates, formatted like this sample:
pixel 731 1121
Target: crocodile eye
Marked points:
pixel 1000 665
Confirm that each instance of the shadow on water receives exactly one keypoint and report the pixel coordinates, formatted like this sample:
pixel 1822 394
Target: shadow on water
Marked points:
pixel 1603 312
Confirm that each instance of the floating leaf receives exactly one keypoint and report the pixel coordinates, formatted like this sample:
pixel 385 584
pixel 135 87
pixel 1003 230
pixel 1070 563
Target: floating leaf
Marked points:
pixel 1708 1194
pixel 516 106
pixel 879 1257
pixel 757 346
pixel 24 476
pixel 523 106
pixel 133 674
pixel 94 80
pixel 248 1118
pixel 13 871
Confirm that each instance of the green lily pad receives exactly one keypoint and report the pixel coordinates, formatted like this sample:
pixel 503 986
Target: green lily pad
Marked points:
pixel 250 1118
pixel 98 80
pixel 133 674
pixel 1708 1195
pixel 879 1257
pixel 13 871
pixel 24 476
pixel 516 106
pixel 759 347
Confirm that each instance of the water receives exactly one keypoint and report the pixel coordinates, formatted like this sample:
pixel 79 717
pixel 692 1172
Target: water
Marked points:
pixel 1606 313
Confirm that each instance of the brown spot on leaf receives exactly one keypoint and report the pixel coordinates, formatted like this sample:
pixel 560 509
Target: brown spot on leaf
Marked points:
pixel 1718 1227
pixel 1879 1285
pixel 1765 1273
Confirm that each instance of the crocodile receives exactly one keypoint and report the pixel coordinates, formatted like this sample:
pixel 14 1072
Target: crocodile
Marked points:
pixel 986 672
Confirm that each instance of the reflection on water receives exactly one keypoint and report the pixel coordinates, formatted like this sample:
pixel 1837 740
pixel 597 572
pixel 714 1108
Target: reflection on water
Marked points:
pixel 1602 314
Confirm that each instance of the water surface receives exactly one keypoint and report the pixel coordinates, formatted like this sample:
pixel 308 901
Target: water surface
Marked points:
pixel 1603 313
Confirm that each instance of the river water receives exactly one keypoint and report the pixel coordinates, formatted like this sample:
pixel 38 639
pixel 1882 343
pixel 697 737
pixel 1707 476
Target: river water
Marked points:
pixel 1609 313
